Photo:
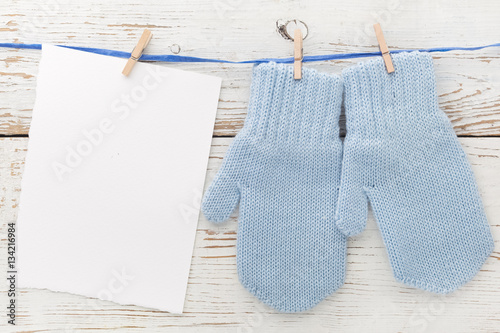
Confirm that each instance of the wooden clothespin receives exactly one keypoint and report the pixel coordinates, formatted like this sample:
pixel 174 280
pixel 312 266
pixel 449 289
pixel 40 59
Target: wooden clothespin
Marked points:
pixel 298 54
pixel 383 48
pixel 137 52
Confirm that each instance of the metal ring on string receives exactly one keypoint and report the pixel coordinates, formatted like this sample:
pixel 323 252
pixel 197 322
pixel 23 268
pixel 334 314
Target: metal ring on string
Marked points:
pixel 283 29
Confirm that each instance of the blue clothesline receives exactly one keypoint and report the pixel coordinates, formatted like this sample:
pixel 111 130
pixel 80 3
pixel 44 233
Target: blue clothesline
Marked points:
pixel 178 58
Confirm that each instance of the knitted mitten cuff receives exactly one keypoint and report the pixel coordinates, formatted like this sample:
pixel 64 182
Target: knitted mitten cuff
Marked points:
pixel 282 110
pixel 379 104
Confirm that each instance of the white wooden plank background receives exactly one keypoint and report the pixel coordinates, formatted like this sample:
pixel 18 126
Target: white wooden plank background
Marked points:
pixel 370 301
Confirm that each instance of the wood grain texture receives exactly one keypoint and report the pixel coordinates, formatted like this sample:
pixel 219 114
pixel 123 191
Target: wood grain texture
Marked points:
pixel 468 82
pixel 370 301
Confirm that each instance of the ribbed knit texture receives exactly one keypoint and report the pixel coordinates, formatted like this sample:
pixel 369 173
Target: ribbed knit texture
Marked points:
pixel 283 168
pixel 402 154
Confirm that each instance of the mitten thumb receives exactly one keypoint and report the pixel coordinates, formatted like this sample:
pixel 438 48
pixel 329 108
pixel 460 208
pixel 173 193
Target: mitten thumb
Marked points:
pixel 352 207
pixel 221 198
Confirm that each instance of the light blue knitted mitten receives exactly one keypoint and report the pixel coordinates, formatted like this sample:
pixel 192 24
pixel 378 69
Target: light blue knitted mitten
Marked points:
pixel 402 154
pixel 283 168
